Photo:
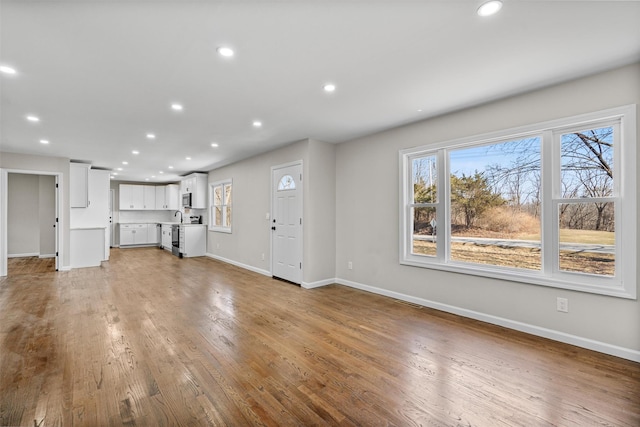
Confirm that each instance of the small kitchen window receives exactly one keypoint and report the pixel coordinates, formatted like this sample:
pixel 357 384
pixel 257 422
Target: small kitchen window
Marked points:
pixel 220 210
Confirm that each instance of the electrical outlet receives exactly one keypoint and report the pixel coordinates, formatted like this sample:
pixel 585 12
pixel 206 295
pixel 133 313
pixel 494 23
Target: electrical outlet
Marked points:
pixel 350 265
pixel 217 245
pixel 263 257
pixel 562 304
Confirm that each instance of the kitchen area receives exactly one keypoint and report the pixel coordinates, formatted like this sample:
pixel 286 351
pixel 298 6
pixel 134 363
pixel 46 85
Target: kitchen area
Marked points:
pixel 170 216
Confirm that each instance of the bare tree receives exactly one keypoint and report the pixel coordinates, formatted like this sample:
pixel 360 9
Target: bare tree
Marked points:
pixel 587 169
pixel 587 172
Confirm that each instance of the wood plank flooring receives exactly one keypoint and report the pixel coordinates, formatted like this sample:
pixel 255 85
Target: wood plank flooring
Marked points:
pixel 149 339
pixel 29 265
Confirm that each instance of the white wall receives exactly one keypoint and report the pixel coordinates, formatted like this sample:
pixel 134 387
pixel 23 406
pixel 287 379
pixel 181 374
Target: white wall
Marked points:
pixel 367 232
pixel 320 213
pixel 97 213
pixel 251 231
pixel 23 228
pixel 31 215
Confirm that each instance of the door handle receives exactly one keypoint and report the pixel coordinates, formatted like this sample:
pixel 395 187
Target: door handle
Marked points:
pixel 273 228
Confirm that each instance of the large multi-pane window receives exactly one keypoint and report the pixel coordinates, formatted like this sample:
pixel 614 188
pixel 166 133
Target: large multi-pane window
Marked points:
pixel 551 204
pixel 221 208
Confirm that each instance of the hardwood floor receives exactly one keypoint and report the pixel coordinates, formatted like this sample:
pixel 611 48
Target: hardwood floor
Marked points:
pixel 149 339
pixel 29 265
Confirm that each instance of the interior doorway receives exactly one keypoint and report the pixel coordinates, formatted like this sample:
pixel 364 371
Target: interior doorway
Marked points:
pixel 286 222
pixel 29 222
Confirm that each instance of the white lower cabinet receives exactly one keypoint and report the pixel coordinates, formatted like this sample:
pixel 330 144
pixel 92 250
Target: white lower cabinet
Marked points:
pixel 127 234
pixel 166 236
pixel 138 234
pixel 193 240
pixel 152 234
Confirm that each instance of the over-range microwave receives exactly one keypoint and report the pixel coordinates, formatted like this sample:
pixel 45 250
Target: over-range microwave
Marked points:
pixel 186 200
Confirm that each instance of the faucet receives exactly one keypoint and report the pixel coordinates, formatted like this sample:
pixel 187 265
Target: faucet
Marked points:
pixel 176 214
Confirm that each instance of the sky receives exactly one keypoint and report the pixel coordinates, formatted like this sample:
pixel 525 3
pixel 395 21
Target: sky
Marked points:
pixel 469 160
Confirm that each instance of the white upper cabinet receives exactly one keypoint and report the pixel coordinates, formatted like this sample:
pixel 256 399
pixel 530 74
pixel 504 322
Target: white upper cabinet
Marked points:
pixel 131 197
pixel 79 185
pixel 149 197
pixel 167 197
pixel 196 184
pixel 161 197
pixel 172 197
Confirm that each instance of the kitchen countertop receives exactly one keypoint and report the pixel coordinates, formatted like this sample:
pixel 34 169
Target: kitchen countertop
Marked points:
pixel 158 222
pixel 97 227
pixel 146 222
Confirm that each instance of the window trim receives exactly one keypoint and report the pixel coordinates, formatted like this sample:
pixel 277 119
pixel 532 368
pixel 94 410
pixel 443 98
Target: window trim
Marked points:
pixel 623 285
pixel 212 186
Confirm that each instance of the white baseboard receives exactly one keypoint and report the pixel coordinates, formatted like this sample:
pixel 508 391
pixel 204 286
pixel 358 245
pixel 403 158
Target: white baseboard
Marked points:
pixel 318 283
pixel 625 353
pixel 47 256
pixel 64 268
pixel 23 255
pixel 239 264
pixel 304 285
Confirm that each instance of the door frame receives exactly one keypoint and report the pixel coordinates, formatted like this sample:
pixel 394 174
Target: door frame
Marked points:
pixel 4 200
pixel 112 229
pixel 271 197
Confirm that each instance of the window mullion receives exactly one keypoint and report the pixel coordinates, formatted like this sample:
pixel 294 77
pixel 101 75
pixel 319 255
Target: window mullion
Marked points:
pixel 550 176
pixel 442 210
pixel 407 207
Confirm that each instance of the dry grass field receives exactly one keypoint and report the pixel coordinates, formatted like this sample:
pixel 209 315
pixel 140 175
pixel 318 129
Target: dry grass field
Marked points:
pixel 529 258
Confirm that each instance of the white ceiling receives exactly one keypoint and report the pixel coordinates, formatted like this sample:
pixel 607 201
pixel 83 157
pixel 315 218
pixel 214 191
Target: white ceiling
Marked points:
pixel 102 74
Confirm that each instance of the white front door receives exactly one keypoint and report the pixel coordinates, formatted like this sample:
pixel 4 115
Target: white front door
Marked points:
pixel 286 223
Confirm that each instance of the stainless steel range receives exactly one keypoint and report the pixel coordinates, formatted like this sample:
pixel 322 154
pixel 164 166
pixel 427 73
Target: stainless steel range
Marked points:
pixel 175 240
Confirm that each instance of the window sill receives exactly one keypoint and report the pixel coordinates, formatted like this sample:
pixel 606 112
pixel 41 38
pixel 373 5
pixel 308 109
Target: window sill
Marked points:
pixel 220 229
pixel 614 289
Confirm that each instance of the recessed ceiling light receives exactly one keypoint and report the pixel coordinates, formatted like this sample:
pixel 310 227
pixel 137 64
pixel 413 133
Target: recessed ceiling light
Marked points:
pixel 153 176
pixel 419 110
pixel 125 163
pixel 161 172
pixel 170 167
pixel 225 51
pixel 32 118
pixel 114 173
pixel 44 141
pixel 135 152
pixel 112 177
pixel 329 87
pixel 214 145
pixel 257 124
pixel 7 70
pixel 177 107
pixel 146 179
pixel 188 158
pixel 119 169
pixel 489 8
pixel 151 136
